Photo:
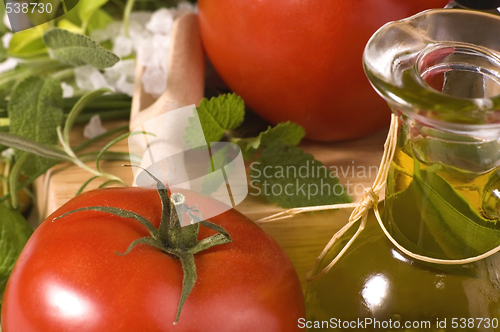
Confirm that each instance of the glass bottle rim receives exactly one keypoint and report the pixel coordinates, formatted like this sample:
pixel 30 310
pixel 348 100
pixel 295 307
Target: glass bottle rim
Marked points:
pixel 400 54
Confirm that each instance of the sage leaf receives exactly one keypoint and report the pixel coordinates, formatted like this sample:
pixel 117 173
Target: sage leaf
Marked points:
pixel 14 233
pixel 35 111
pixel 77 50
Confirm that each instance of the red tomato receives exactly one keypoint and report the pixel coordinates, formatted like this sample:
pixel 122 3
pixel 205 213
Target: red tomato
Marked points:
pixel 301 60
pixel 69 277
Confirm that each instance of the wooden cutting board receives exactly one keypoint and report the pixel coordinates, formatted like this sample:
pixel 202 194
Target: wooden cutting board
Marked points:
pixel 302 237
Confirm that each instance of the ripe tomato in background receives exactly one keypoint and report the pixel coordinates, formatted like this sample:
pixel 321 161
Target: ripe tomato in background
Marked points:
pixel 69 277
pixel 300 60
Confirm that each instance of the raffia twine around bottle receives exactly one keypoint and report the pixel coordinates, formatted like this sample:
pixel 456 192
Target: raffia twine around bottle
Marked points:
pixel 361 210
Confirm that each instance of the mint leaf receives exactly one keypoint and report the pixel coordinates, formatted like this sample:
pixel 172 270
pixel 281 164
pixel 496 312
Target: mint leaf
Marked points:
pixel 291 178
pixel 287 133
pixel 14 233
pixel 216 115
pixel 77 50
pixel 35 111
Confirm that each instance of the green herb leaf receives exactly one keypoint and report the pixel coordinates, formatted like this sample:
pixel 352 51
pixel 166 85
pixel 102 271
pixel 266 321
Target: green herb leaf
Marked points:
pixel 216 116
pixel 3 27
pixel 431 218
pixel 287 133
pixel 66 24
pixel 28 43
pixel 35 111
pixel 455 225
pixel 14 233
pixel 38 16
pixel 3 52
pixel 86 9
pixel 99 20
pixel 77 50
pixel 78 108
pixel 291 178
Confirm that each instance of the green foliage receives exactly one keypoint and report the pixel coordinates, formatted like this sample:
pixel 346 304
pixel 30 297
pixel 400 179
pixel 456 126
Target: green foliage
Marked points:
pixel 14 233
pixel 292 178
pixel 35 111
pixel 77 50
pixel 216 116
pixel 271 149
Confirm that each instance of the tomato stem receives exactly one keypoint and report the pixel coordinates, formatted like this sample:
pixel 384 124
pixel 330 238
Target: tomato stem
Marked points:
pixel 171 237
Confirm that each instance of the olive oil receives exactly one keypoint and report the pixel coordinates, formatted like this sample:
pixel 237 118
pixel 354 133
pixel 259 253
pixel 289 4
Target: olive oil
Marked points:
pixel 478 189
pixel 436 208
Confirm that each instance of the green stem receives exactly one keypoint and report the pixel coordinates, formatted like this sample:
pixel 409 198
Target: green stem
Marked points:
pixel 126 15
pixel 98 138
pixel 77 109
pixel 5 177
pixel 43 170
pixel 123 114
pixel 13 178
pixel 80 163
pixel 62 74
pixel 37 68
pixel 119 4
pixel 64 6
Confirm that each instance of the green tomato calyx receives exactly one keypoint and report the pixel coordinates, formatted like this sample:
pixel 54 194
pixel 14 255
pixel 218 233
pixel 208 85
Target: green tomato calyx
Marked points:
pixel 170 237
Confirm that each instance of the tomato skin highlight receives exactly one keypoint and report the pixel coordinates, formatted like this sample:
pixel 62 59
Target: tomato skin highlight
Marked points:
pixel 301 61
pixel 69 277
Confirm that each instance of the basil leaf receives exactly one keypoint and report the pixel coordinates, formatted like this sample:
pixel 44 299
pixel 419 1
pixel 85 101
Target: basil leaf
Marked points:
pixel 14 233
pixel 77 50
pixel 35 111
